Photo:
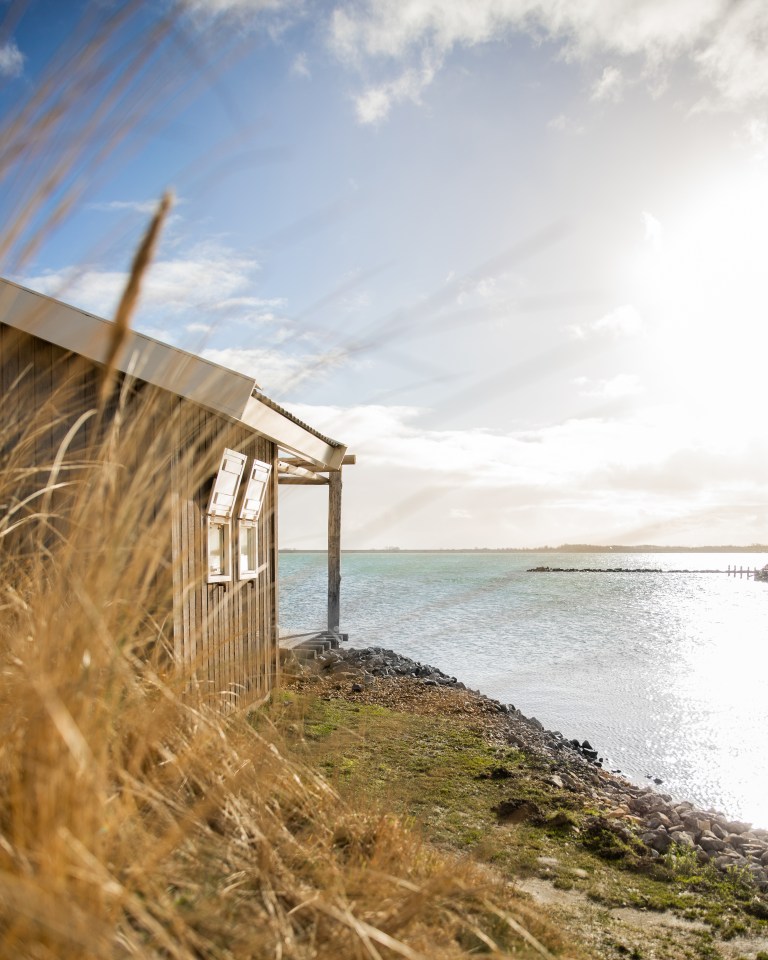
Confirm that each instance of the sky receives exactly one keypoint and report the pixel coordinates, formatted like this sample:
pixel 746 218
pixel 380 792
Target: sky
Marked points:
pixel 511 252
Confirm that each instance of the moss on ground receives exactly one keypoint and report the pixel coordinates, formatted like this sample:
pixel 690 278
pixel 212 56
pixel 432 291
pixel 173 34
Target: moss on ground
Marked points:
pixel 499 804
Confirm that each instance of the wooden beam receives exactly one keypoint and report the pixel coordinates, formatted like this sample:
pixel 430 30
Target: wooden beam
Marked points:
pixel 302 481
pixel 283 466
pixel 349 460
pixel 334 550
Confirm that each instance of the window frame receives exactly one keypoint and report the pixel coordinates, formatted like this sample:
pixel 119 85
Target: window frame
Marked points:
pixel 221 506
pixel 254 495
pixel 225 526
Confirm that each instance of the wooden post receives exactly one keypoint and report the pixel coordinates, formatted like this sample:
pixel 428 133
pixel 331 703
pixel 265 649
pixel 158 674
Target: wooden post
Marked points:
pixel 274 590
pixel 334 549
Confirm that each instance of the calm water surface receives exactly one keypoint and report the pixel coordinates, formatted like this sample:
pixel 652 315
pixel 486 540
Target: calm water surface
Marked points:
pixel 665 673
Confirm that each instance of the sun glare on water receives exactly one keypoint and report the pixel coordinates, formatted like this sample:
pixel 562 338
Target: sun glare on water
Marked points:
pixel 722 663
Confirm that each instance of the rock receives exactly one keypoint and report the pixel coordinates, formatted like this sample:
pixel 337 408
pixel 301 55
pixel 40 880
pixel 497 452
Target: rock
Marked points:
pixel 496 773
pixel 659 820
pixel 758 908
pixel 728 860
pixel 516 811
pixel 658 840
pixel 735 826
pixel 684 839
pixel 549 862
pixel 711 844
pixel 736 840
pixel 695 824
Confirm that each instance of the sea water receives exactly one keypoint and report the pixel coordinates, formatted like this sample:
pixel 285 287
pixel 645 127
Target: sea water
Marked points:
pixel 666 674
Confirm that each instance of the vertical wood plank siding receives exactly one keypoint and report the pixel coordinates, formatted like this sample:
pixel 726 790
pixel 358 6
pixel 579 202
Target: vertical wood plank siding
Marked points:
pixel 224 634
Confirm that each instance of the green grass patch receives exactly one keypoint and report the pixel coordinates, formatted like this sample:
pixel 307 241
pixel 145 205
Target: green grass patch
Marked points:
pixel 498 803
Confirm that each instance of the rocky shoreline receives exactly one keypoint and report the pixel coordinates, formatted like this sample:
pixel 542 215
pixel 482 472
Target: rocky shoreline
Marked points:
pixel 638 814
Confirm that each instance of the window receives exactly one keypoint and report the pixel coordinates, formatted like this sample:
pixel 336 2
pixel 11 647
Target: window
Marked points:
pixel 249 551
pixel 220 509
pixel 247 532
pixel 218 550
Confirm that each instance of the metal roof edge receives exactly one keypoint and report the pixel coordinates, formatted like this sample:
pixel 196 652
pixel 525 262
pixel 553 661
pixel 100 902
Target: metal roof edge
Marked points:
pixel 271 420
pixel 219 389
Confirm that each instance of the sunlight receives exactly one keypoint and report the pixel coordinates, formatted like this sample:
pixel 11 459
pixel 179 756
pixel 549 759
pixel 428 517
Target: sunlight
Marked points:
pixel 703 278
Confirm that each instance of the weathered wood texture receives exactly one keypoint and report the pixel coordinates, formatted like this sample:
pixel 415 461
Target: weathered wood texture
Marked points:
pixel 334 550
pixel 224 634
pixel 226 631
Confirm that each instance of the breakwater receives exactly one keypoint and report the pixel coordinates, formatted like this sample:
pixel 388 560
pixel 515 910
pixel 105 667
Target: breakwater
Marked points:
pixel 615 570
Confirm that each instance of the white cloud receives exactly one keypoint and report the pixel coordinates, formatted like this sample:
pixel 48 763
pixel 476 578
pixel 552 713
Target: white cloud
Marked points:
pixel 202 280
pixel 610 86
pixel 300 66
pixel 375 103
pixel 196 294
pixel 665 468
pixel 251 303
pixel 486 287
pixel 735 56
pixel 242 8
pixel 623 322
pixel 565 124
pixel 723 42
pixel 11 60
pixel 754 135
pixel 274 370
pixel 756 130
pixel 147 207
pixel 654 230
pixel 579 459
pixel 622 385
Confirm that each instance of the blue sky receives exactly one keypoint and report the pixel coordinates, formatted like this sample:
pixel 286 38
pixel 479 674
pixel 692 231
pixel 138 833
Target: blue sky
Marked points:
pixel 511 251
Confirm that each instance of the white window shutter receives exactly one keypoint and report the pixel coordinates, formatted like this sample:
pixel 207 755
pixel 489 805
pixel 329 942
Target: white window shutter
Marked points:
pixel 255 492
pixel 225 485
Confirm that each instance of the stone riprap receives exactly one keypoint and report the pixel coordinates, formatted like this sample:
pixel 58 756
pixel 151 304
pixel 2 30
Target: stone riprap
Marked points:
pixel 655 818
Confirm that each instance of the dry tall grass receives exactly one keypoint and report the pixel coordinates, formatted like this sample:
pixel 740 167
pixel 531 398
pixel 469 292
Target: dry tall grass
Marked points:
pixel 134 820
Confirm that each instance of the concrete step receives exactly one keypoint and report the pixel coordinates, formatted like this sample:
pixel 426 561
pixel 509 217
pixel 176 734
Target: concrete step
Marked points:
pixel 306 647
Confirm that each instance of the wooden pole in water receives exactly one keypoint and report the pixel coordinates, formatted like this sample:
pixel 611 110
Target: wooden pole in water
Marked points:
pixel 334 549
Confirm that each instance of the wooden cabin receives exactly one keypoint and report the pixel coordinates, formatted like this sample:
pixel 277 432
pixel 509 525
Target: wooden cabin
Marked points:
pixel 222 542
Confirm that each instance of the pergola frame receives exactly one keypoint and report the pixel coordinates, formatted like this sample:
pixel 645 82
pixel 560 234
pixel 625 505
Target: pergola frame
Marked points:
pixel 294 471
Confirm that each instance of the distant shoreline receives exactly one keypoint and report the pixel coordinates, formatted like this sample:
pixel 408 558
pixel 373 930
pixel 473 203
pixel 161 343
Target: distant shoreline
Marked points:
pixel 565 548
